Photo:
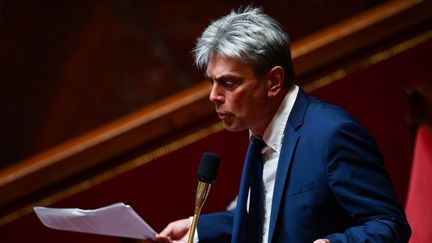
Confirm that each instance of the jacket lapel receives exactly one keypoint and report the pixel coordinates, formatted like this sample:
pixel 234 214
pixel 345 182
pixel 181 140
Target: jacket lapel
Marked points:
pixel 290 140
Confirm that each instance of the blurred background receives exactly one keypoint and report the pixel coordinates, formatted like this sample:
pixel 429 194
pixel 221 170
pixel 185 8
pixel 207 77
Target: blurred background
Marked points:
pixel 70 66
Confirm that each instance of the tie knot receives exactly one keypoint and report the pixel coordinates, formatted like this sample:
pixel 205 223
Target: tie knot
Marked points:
pixel 258 144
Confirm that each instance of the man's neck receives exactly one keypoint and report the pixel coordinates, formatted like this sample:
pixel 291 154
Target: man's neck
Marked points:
pixel 274 104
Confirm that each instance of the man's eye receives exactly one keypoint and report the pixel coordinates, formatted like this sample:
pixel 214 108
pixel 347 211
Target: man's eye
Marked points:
pixel 229 83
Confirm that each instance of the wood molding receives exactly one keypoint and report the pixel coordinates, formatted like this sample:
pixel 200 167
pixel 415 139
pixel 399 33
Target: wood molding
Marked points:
pixel 170 115
pixel 363 30
pixel 90 149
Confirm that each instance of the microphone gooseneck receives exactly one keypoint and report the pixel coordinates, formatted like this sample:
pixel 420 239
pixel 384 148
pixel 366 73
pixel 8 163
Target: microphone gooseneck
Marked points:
pixel 207 172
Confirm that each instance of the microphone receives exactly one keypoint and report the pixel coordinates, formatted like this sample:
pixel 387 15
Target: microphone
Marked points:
pixel 207 172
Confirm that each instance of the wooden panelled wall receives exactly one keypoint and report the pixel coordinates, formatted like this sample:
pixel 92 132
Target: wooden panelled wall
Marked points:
pixel 148 159
pixel 70 66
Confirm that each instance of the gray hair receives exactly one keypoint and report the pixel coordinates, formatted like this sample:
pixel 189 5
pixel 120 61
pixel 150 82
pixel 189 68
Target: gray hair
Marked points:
pixel 251 35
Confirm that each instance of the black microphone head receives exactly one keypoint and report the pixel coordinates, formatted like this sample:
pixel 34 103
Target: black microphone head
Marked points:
pixel 208 167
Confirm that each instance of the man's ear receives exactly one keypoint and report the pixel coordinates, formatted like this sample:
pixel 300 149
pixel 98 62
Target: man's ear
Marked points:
pixel 275 81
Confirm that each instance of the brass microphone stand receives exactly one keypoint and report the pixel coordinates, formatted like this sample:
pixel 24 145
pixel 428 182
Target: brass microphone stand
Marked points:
pixel 200 197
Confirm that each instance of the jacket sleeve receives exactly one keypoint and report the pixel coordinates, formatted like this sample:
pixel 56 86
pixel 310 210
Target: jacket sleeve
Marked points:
pixel 215 227
pixel 359 182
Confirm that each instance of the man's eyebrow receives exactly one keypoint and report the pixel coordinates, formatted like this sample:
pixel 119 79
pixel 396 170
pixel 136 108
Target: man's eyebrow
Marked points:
pixel 222 77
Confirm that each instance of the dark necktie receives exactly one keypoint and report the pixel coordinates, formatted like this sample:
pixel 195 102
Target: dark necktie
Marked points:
pixel 256 207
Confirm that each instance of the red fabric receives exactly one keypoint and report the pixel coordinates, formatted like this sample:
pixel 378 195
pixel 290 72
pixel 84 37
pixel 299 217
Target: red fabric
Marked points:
pixel 419 201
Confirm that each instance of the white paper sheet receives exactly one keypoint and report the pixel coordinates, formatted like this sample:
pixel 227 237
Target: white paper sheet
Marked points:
pixel 115 220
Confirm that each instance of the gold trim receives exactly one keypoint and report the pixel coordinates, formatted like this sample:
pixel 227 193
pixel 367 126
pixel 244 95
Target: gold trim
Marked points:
pixel 374 59
pixel 129 165
pixel 141 160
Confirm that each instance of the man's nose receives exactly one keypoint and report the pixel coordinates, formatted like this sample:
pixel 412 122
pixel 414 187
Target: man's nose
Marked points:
pixel 215 93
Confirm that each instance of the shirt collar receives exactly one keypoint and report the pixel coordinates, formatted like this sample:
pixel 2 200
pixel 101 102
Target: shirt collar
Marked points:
pixel 274 132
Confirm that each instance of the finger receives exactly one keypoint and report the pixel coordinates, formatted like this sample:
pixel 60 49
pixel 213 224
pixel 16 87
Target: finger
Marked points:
pixel 162 239
pixel 176 230
pixel 168 231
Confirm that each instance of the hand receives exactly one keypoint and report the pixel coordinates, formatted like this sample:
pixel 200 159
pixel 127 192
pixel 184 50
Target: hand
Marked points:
pixel 322 241
pixel 175 232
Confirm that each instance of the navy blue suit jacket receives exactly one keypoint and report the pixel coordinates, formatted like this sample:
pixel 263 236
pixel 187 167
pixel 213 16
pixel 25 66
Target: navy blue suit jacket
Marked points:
pixel 330 183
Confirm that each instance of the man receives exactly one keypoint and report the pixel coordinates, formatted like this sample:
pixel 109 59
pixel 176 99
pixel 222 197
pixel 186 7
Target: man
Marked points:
pixel 322 177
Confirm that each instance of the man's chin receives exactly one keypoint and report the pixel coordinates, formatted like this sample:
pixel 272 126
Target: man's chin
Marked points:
pixel 232 127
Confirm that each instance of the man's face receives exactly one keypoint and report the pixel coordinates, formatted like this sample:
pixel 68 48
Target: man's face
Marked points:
pixel 239 98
